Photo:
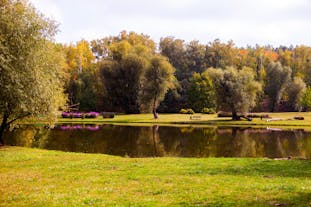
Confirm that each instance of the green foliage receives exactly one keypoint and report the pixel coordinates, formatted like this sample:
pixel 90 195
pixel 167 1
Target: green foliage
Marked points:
pixel 186 111
pixel 171 102
pixel 174 50
pixel 81 83
pixel 122 70
pixel 306 99
pixel 121 80
pixel 221 55
pixel 183 111
pixel 208 111
pixel 276 80
pixel 30 81
pixel 236 90
pixel 295 91
pixel 158 78
pixel 299 61
pixel 200 93
pixel 84 91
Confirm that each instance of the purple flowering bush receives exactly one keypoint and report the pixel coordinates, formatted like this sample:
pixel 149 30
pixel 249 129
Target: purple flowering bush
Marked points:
pixel 66 115
pixel 77 115
pixel 92 114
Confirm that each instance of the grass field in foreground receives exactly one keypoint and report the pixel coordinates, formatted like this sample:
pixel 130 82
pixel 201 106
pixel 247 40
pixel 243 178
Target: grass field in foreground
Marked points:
pixel 32 177
pixel 204 119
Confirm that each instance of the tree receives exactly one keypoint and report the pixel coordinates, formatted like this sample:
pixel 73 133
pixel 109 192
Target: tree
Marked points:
pixel 172 100
pixel 29 64
pixel 84 91
pixel 200 93
pixel 306 99
pixel 174 50
pixel 195 58
pixel 80 68
pixel 220 55
pixel 235 90
pixel 295 91
pixel 122 82
pixel 277 77
pixel 123 69
pixel 300 59
pixel 157 79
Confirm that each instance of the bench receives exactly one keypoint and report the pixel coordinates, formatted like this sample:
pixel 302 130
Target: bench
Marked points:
pixel 195 117
pixel 108 115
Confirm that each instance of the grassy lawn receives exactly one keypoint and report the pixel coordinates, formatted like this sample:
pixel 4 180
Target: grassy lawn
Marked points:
pixel 32 177
pixel 204 119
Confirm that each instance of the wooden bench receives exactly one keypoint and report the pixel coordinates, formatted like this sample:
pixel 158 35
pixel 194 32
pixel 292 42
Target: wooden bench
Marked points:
pixel 108 115
pixel 195 117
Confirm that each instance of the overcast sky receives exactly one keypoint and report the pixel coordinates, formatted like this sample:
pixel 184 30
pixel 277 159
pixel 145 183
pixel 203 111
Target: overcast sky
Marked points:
pixel 246 22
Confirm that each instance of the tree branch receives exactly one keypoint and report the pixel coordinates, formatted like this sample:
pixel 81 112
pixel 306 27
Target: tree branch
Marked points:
pixel 19 117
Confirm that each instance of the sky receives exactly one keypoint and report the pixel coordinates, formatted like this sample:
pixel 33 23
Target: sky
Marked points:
pixel 246 22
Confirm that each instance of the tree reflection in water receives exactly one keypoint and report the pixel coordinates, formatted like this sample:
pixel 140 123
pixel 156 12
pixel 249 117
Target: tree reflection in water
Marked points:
pixel 158 141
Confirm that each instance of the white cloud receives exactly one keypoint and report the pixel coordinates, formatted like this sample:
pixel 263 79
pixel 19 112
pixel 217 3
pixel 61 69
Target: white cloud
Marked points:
pixel 245 22
pixel 49 8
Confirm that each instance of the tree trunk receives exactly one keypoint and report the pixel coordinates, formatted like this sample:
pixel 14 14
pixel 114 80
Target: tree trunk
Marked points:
pixel 155 114
pixel 2 128
pixel 155 129
pixel 273 106
pixel 154 109
pixel 235 116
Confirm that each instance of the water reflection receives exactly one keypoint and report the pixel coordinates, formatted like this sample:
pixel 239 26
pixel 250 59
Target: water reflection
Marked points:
pixel 151 141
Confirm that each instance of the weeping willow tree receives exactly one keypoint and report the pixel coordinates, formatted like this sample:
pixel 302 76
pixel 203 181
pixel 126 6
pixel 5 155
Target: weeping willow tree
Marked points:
pixel 236 90
pixel 30 66
pixel 158 78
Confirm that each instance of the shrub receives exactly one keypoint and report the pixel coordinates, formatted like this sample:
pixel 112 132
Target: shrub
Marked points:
pixel 252 115
pixel 183 111
pixel 91 114
pixel 186 111
pixel 299 118
pixel 212 111
pixel 66 115
pixel 108 115
pixel 208 111
pixel 224 114
pixel 77 115
pixel 190 111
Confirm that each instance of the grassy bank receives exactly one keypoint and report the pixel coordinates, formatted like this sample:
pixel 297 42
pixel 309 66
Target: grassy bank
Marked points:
pixel 31 177
pixel 287 119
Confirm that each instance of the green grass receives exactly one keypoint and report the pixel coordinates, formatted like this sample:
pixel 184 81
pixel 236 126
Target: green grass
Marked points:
pixel 204 120
pixel 32 177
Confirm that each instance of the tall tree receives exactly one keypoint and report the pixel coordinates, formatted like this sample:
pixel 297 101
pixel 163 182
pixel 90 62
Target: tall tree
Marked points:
pixel 306 99
pixel 80 68
pixel 276 80
pixel 300 59
pixel 29 65
pixel 220 55
pixel 236 90
pixel 175 51
pixel 200 93
pixel 122 82
pixel 295 91
pixel 157 79
pixel 122 70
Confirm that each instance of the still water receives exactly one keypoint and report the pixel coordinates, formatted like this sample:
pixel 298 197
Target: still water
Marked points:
pixel 172 141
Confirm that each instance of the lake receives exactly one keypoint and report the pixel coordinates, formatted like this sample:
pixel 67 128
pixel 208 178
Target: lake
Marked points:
pixel 168 141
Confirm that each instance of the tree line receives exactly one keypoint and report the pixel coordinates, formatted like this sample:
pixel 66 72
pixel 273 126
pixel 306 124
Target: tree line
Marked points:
pixel 217 75
pixel 131 73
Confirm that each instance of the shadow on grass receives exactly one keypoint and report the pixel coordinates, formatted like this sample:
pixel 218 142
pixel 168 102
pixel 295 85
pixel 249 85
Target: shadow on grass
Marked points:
pixel 297 200
pixel 266 168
